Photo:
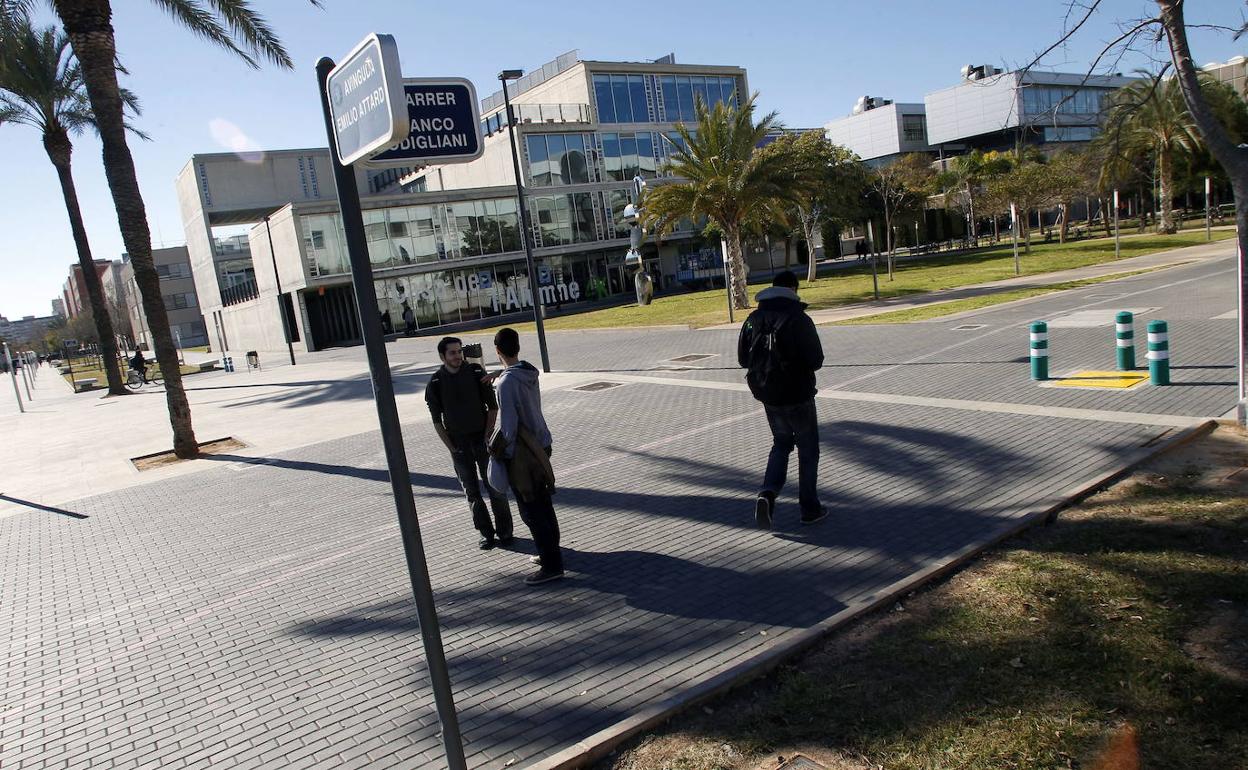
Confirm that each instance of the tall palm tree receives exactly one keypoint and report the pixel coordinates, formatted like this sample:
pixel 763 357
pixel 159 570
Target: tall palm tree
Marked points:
pixel 41 87
pixel 1148 119
pixel 231 24
pixel 723 176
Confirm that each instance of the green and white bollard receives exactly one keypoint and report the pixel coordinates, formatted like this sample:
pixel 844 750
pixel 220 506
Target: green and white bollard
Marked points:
pixel 1158 353
pixel 1124 331
pixel 1039 350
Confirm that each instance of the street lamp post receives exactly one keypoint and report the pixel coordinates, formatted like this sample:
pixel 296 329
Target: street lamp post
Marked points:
pixel 525 229
pixel 281 308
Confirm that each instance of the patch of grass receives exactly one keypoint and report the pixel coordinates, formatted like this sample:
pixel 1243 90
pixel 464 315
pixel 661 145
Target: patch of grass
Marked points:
pixel 937 310
pixel 1123 624
pixel 101 378
pixel 852 285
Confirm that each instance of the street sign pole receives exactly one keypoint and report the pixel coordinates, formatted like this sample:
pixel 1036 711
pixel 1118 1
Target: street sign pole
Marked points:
pixel 388 417
pixel 1117 242
pixel 525 230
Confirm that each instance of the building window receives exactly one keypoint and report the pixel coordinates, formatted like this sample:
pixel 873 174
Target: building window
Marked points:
pixel 179 301
pixel 626 155
pixel 680 91
pixel 556 159
pixel 1069 133
pixel 1042 100
pixel 913 128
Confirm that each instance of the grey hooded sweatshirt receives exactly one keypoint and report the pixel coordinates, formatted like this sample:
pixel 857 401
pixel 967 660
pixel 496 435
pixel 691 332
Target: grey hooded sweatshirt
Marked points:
pixel 520 403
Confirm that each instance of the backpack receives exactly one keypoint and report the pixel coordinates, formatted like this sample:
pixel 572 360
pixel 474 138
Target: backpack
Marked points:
pixel 766 372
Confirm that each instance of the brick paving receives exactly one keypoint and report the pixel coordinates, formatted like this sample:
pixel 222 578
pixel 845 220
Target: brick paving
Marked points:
pixel 259 614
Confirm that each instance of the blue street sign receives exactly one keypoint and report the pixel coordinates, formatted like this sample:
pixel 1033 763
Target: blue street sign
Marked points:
pixel 366 99
pixel 443 124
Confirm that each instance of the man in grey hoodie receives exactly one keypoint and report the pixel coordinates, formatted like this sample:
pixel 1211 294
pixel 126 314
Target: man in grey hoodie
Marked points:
pixel 780 348
pixel 520 409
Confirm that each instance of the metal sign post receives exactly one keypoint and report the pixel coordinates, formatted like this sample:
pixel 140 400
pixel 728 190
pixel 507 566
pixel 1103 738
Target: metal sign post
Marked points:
pixel 1117 244
pixel 1208 230
pixel 330 81
pixel 13 376
pixel 1014 235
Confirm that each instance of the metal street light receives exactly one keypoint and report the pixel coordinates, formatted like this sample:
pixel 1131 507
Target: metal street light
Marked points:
pixel 504 76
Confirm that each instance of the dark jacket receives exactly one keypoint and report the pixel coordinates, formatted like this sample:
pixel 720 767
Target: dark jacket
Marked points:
pixel 798 344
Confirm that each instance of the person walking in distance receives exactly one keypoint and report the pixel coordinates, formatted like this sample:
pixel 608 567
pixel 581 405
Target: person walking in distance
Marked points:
pixel 780 350
pixel 522 443
pixel 464 410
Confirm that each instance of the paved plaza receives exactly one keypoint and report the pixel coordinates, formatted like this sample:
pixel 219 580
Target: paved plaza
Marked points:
pixel 253 609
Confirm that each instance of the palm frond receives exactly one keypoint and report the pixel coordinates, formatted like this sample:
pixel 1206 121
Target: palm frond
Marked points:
pixel 234 25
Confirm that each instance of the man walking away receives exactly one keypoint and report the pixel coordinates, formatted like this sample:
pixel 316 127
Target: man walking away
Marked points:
pixel 523 443
pixel 462 404
pixel 780 350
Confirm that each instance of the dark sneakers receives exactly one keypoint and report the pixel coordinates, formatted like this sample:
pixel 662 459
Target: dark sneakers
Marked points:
pixel 764 506
pixel 485 543
pixel 543 576
pixel 506 541
pixel 811 517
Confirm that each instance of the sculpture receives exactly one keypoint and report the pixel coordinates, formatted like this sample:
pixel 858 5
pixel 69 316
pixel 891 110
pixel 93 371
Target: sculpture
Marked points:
pixel 642 282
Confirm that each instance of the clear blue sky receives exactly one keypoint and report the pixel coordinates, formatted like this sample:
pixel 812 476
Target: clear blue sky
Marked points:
pixel 809 59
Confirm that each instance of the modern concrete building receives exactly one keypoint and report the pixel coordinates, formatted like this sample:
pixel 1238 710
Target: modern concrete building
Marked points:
pixel 879 130
pixel 58 307
pixel 994 110
pixel 1233 72
pixel 177 289
pixel 444 241
pixel 74 292
pixel 27 329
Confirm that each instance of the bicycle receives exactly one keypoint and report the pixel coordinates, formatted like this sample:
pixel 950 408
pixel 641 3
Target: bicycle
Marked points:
pixel 134 380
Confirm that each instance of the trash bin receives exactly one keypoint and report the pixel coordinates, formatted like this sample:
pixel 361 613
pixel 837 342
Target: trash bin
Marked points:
pixel 253 360
pixel 473 355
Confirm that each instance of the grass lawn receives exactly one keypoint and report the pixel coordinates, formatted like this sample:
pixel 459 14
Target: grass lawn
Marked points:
pixel 101 379
pixel 937 310
pixel 707 308
pixel 1115 638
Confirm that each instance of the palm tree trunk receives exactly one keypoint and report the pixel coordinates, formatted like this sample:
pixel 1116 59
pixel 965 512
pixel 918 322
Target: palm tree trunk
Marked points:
pixel 1164 182
pixel 88 25
pixel 736 270
pixel 59 152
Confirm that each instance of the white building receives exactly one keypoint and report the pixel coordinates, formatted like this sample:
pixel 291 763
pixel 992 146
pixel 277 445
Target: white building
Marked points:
pixel 444 241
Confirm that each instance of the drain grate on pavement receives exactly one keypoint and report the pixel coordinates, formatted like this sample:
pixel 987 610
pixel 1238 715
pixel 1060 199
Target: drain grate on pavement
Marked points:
pixel 969 327
pixel 691 357
pixel 596 386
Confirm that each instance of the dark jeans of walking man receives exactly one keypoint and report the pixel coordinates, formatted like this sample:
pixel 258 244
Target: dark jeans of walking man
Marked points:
pixel 464 409
pixel 780 349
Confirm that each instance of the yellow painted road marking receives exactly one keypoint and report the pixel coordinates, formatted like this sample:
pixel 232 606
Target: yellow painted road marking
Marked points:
pixel 1100 380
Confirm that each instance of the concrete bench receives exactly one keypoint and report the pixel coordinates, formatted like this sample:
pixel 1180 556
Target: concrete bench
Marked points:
pixel 86 383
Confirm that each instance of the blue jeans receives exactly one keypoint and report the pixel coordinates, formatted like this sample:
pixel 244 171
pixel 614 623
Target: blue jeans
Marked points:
pixel 794 426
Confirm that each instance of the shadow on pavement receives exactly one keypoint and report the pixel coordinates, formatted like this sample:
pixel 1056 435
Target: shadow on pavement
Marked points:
pixel 38 507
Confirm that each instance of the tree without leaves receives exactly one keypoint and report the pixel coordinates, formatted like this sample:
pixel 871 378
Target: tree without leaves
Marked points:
pixel 902 186
pixel 834 181
pixel 41 86
pixel 230 24
pixel 724 177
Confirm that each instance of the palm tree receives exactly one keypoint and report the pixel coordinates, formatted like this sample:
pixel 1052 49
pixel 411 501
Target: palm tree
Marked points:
pixel 1148 119
pixel 41 87
pixel 231 24
pixel 725 178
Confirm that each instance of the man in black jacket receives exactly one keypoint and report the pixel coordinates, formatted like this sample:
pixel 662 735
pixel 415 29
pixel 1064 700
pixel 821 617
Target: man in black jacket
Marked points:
pixel 781 351
pixel 462 404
